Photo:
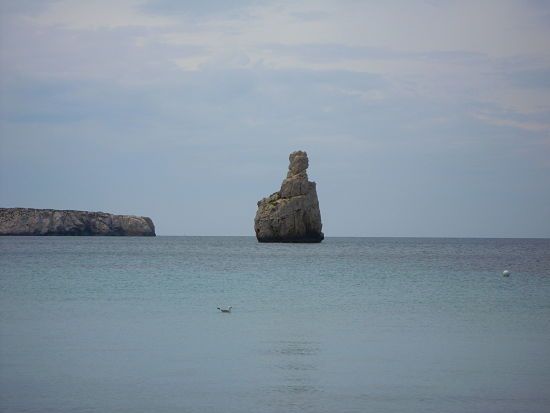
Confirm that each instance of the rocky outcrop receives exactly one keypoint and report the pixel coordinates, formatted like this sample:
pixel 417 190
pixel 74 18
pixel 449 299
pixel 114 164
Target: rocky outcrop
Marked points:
pixel 292 214
pixel 29 221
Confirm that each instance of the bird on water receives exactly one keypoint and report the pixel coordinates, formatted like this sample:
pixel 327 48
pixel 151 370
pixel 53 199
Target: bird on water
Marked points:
pixel 225 310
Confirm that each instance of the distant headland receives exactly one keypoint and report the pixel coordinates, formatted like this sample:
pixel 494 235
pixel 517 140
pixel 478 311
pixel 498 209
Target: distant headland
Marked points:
pixel 291 214
pixel 30 221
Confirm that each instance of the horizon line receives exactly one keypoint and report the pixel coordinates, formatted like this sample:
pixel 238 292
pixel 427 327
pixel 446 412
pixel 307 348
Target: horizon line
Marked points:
pixel 369 236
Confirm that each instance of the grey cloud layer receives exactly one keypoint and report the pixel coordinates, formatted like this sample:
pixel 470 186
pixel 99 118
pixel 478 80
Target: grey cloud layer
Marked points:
pixel 165 118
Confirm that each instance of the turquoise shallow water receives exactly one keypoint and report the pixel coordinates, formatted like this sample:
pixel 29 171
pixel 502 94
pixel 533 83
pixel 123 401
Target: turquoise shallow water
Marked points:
pixel 349 325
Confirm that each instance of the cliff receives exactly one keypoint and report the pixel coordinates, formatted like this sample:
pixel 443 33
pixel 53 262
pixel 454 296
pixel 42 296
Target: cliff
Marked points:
pixel 29 221
pixel 292 214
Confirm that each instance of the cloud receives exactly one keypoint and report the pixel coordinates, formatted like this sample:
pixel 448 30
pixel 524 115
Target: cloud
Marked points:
pixel 96 14
pixel 515 120
pixel 197 7
pixel 126 53
pixel 531 79
pixel 24 7
pixel 158 107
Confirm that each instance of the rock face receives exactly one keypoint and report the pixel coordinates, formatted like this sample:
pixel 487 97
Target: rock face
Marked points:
pixel 28 221
pixel 292 214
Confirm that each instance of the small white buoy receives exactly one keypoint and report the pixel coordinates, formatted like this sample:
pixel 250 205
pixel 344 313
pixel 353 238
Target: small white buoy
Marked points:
pixel 505 273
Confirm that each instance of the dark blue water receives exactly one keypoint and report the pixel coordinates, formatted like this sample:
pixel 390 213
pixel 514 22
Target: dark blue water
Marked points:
pixel 349 325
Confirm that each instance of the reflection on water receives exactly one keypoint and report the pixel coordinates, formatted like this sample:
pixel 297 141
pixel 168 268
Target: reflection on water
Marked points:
pixel 295 348
pixel 297 366
pixel 296 370
pixel 295 389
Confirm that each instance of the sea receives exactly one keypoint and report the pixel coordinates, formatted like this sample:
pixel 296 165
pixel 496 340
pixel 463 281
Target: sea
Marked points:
pixel 122 324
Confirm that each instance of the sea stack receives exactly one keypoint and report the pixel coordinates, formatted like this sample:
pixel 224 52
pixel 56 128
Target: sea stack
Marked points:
pixel 292 214
pixel 29 221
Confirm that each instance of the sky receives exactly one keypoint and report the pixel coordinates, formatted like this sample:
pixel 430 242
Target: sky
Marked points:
pixel 420 118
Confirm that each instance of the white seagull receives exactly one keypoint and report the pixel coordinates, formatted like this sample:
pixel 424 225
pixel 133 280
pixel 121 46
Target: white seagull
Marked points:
pixel 225 310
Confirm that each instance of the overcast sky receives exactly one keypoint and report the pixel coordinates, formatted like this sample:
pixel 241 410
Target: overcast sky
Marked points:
pixel 420 118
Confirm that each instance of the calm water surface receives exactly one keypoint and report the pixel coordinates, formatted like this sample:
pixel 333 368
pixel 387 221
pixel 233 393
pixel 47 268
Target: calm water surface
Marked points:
pixel 349 325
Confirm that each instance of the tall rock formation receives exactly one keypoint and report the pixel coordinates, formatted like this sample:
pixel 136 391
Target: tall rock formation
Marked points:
pixel 29 221
pixel 292 214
